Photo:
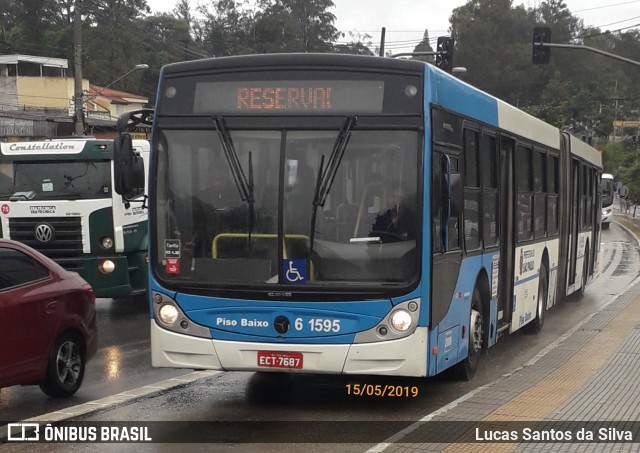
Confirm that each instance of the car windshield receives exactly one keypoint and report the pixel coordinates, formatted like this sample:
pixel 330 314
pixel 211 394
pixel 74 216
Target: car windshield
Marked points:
pixel 255 210
pixel 54 180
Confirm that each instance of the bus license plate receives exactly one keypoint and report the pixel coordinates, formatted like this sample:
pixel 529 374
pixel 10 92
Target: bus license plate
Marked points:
pixel 276 359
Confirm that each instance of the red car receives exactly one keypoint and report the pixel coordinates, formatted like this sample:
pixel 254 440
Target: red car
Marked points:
pixel 47 322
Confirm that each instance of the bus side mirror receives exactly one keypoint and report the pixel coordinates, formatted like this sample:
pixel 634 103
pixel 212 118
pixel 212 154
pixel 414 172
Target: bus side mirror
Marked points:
pixel 128 168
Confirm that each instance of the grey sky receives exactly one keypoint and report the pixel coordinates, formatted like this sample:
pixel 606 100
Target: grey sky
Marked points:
pixel 406 20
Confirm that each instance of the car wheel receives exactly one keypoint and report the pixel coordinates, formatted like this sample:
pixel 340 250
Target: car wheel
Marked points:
pixel 65 369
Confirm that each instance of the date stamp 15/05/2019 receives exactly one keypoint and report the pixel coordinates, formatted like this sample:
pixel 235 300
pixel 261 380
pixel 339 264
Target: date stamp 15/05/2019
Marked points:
pixel 382 390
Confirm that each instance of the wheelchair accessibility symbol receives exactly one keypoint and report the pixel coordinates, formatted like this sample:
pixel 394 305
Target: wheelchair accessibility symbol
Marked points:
pixel 295 271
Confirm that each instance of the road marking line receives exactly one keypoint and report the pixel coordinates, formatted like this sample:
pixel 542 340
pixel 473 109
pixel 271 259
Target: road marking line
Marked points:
pixel 127 396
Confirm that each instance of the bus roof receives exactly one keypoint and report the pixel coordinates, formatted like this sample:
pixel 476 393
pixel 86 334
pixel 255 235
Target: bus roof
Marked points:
pixel 319 60
pixel 458 96
pixel 585 151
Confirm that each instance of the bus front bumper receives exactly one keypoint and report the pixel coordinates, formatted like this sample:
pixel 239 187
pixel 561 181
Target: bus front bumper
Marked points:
pixel 403 357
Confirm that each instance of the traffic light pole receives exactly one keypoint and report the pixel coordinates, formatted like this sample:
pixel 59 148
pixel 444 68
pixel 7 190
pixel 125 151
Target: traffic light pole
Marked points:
pixel 590 49
pixel 415 54
pixel 78 113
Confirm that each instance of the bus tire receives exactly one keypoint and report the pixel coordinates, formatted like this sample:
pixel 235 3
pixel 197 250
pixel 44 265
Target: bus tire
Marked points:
pixel 468 367
pixel 585 271
pixel 535 326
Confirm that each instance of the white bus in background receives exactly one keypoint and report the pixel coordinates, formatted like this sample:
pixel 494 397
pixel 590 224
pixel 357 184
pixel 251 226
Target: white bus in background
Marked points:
pixel 607 199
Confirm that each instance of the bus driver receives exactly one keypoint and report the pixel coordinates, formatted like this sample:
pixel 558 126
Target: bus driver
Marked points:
pixel 397 222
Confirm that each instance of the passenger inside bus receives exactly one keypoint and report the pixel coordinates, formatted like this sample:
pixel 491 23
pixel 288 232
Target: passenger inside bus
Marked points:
pixel 397 221
pixel 299 205
pixel 216 207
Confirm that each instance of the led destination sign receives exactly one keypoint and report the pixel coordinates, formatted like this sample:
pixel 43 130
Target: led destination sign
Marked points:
pixel 315 97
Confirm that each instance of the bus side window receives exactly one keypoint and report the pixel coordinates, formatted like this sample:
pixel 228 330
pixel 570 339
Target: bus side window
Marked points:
pixel 453 226
pixel 524 181
pixel 445 235
pixel 472 223
pixel 489 175
pixel 552 199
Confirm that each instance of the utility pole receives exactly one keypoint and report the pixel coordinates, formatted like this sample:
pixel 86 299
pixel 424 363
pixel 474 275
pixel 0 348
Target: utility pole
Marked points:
pixel 78 114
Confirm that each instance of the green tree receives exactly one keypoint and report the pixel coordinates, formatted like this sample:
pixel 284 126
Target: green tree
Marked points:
pixel 580 91
pixel 227 28
pixel 113 38
pixel 493 41
pixel 613 156
pixel 631 178
pixel 296 26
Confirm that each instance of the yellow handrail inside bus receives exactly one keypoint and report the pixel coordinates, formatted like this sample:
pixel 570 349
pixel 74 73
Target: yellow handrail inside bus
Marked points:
pixel 221 236
pixel 362 207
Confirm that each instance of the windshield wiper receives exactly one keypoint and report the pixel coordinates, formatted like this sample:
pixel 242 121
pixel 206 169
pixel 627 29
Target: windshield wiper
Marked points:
pixel 326 176
pixel 244 185
pixel 60 196
pixel 69 179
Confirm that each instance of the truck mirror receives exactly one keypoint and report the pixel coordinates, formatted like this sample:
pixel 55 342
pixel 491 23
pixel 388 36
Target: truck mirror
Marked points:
pixel 128 168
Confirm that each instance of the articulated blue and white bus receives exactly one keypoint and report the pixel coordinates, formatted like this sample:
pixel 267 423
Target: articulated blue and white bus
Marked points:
pixel 355 215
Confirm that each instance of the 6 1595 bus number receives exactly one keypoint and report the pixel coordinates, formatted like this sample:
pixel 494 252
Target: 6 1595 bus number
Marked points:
pixel 318 325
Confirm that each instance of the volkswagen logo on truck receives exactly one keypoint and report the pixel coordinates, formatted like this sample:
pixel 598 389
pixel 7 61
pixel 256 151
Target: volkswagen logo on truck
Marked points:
pixel 44 233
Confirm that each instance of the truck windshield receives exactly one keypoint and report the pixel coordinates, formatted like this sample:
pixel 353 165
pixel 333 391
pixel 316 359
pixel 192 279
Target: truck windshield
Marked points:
pixel 364 233
pixel 55 180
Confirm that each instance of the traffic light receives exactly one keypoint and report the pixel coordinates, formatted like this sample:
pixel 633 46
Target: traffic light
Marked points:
pixel 541 54
pixel 444 57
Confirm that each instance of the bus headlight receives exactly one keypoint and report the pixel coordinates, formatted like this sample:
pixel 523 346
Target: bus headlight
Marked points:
pixel 401 320
pixel 106 242
pixel 168 314
pixel 107 267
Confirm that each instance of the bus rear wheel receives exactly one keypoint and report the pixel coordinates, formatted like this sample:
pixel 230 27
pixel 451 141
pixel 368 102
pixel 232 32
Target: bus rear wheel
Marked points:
pixel 468 367
pixel 585 273
pixel 535 326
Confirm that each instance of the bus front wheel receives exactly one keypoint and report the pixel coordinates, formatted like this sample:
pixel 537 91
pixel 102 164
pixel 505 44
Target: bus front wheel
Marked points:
pixel 468 367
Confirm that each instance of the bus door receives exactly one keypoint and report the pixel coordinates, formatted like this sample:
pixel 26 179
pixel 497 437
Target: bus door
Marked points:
pixel 574 219
pixel 445 230
pixel 507 238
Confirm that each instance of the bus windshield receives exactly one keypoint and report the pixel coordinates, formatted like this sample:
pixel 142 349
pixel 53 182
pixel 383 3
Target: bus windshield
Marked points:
pixel 243 211
pixel 55 180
